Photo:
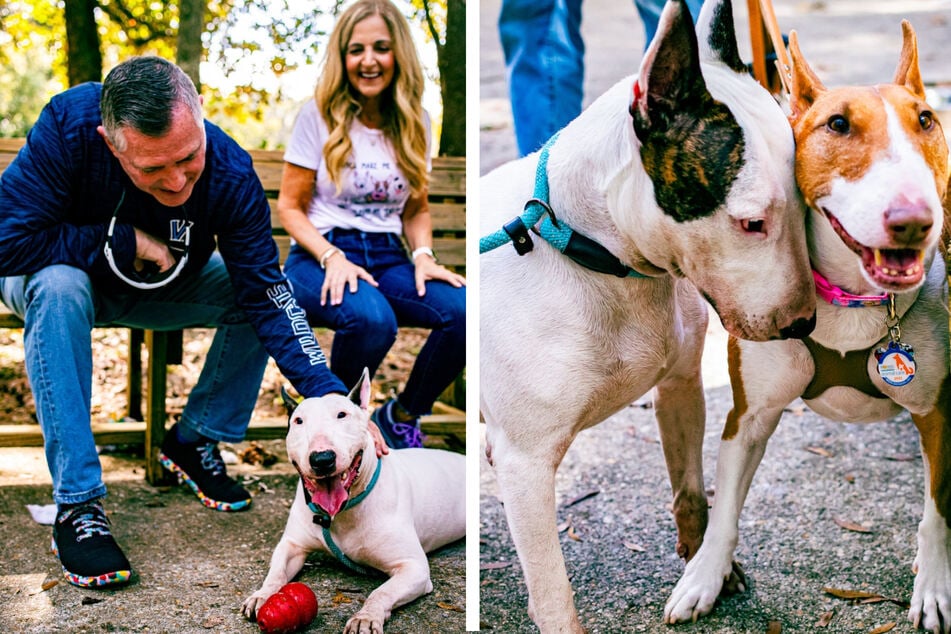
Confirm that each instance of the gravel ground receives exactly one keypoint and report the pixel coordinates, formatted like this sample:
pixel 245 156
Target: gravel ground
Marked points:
pixel 193 566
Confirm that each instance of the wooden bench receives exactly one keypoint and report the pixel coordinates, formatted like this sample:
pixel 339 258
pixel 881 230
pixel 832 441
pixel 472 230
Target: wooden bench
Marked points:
pixel 446 427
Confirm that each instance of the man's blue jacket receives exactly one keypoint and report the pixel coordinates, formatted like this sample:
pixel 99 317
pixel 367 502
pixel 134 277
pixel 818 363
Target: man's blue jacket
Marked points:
pixel 60 192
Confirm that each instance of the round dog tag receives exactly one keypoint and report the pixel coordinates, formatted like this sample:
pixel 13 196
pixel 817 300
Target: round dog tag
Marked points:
pixel 896 363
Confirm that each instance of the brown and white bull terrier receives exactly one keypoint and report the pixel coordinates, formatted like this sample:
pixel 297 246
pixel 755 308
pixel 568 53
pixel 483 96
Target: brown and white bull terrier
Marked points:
pixel 872 164
pixel 692 186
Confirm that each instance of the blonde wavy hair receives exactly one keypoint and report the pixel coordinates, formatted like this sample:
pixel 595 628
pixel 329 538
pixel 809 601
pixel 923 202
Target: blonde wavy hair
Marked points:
pixel 401 102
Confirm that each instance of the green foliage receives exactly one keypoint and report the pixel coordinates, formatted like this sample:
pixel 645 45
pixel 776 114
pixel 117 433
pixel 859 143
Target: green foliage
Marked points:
pixel 258 41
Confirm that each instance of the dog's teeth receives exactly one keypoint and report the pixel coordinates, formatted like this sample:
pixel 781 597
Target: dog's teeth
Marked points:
pixel 878 257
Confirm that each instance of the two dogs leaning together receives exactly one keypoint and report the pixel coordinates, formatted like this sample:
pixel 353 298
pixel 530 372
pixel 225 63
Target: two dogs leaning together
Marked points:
pixel 684 179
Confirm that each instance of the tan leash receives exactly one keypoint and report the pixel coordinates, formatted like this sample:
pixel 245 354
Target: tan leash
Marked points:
pixel 762 15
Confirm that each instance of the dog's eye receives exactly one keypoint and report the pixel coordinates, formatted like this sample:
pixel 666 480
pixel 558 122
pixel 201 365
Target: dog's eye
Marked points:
pixel 753 225
pixel 926 120
pixel 298 420
pixel 838 124
pixel 341 414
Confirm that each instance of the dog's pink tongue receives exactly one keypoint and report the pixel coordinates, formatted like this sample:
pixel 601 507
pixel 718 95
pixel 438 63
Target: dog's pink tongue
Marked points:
pixel 330 494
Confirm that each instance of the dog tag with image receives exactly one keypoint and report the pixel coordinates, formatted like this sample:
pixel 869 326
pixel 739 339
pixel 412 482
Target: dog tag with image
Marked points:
pixel 896 363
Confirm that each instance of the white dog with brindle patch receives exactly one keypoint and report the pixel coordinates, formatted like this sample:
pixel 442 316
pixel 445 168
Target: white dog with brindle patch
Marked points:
pixel 380 513
pixel 690 184
pixel 872 163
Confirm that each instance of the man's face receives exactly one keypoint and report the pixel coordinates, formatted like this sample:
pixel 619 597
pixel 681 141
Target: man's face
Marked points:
pixel 167 167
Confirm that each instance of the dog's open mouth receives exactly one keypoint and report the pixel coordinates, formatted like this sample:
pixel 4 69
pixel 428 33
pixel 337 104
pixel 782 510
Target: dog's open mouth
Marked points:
pixel 893 269
pixel 332 492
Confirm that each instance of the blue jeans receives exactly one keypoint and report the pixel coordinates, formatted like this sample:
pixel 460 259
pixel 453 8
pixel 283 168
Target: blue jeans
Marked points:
pixel 365 322
pixel 60 306
pixel 544 62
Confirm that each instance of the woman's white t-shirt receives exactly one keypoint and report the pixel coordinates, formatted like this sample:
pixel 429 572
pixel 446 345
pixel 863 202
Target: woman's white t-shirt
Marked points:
pixel 374 189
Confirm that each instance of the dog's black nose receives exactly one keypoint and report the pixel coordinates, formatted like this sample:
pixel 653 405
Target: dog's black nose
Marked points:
pixel 799 329
pixel 323 462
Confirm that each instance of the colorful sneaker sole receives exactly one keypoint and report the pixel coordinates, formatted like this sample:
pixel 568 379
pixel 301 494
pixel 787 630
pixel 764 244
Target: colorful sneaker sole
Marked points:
pixel 183 478
pixel 115 578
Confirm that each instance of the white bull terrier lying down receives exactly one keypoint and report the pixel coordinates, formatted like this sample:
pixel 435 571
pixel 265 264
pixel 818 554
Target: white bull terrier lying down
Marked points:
pixel 384 514
pixel 684 192
pixel 872 164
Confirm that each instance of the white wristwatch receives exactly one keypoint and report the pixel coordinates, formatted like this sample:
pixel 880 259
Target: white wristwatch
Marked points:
pixel 424 250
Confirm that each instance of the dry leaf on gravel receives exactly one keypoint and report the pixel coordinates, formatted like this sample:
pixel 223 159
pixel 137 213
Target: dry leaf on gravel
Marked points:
pixel 495 565
pixel 450 607
pixel 841 593
pixel 825 619
pixel 851 526
pixel 581 498
pixel 819 451
pixel 888 627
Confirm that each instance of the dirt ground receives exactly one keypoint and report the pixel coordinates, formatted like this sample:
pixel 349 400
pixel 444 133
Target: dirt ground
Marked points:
pixel 193 566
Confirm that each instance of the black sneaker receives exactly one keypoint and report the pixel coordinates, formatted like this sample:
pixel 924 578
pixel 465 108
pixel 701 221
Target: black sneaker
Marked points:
pixel 397 434
pixel 199 465
pixel 84 544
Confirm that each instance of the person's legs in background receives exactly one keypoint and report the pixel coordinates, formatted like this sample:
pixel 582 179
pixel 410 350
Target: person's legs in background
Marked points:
pixel 650 11
pixel 544 60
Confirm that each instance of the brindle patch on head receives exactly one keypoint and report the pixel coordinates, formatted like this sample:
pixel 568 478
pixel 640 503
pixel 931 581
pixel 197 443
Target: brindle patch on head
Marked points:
pixel 693 161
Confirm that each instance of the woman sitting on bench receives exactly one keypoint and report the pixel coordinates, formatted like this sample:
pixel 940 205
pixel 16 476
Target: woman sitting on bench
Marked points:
pixel 355 178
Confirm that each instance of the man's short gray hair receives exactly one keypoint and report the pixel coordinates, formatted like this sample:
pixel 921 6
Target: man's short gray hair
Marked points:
pixel 143 93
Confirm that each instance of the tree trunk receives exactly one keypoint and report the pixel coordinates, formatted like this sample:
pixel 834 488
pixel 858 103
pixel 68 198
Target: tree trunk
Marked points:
pixel 84 59
pixel 452 79
pixel 191 23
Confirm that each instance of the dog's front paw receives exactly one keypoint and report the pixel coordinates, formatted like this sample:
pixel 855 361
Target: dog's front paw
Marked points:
pixel 250 606
pixel 701 584
pixel 931 603
pixel 365 622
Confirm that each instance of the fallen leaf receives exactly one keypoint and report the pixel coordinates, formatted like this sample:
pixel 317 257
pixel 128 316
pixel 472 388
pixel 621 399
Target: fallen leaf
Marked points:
pixel 850 526
pixel 341 598
pixel 212 622
pixel 573 535
pixel 581 498
pixel 819 451
pixel 825 619
pixel 91 600
pixel 888 627
pixel 564 526
pixel 840 593
pixel 635 547
pixel 48 584
pixel 207 584
pixel 774 627
pixel 449 606
pixel 850 478
pixel 496 565
pixel 902 457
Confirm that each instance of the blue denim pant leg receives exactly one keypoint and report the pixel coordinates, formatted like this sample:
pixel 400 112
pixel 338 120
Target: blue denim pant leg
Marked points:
pixel 364 324
pixel 57 307
pixel 222 401
pixel 443 310
pixel 357 343
pixel 650 11
pixel 544 61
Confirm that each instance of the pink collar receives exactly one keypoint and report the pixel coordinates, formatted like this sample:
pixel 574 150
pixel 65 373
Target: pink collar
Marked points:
pixel 838 297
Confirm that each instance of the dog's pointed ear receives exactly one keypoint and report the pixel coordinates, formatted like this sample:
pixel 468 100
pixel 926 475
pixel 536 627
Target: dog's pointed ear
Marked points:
pixel 290 403
pixel 805 86
pixel 360 394
pixel 716 35
pixel 670 81
pixel 908 73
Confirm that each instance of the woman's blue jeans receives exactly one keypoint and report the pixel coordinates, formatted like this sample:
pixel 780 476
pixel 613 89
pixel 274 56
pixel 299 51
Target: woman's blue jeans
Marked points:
pixel 60 306
pixel 365 322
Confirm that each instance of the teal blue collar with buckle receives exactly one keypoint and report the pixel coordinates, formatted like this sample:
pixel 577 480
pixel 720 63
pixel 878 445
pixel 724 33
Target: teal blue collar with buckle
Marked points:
pixel 323 518
pixel 580 248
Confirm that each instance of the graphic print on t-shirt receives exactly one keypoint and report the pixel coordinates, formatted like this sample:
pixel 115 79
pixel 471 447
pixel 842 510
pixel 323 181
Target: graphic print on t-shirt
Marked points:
pixel 379 189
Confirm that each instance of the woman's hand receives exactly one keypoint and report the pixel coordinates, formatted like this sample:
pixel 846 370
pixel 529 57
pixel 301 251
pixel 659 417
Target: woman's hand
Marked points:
pixel 428 269
pixel 340 273
pixel 378 442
